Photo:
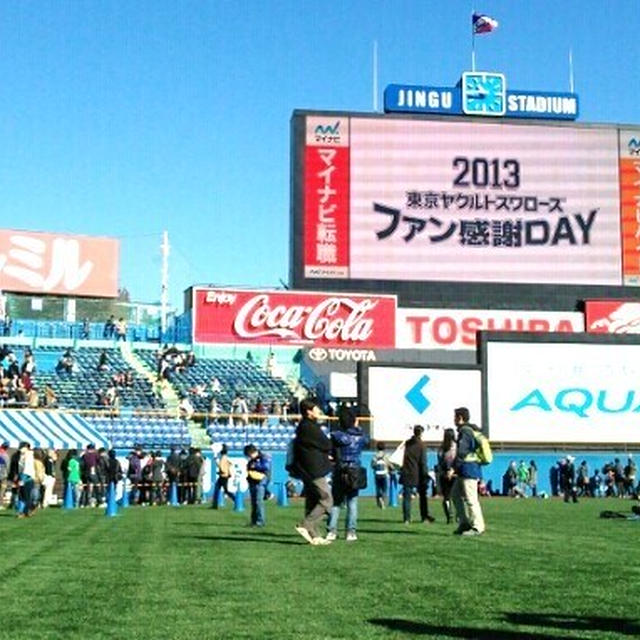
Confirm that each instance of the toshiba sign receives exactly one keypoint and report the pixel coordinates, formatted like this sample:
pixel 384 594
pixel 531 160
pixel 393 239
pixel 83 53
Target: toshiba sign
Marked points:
pixel 456 328
pixel 294 317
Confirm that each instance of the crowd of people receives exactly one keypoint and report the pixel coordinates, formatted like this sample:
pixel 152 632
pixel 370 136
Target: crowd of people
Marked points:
pixel 329 465
pixel 18 382
pixel 571 481
pixel 85 476
pixel 170 360
pixel 330 468
pixel 114 329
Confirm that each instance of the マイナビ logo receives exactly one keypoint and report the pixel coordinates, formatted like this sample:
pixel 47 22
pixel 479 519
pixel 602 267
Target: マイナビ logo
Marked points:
pixel 634 147
pixel 328 133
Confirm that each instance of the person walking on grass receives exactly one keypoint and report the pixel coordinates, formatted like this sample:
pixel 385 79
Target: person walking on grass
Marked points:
pixel 349 442
pixel 225 473
pixel 464 492
pixel 257 478
pixel 312 460
pixel 414 476
pixel 381 469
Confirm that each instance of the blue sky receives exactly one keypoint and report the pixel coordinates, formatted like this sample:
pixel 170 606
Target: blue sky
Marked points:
pixel 129 118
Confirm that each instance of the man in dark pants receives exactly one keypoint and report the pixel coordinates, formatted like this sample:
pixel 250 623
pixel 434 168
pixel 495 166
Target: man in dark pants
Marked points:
pixel 414 476
pixel 311 451
pixel 569 480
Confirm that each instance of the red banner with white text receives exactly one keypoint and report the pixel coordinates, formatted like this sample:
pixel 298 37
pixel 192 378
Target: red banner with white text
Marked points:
pixel 282 318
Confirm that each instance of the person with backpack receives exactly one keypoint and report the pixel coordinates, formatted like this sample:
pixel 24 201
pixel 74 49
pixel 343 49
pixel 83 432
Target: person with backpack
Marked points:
pixel 347 480
pixel 468 473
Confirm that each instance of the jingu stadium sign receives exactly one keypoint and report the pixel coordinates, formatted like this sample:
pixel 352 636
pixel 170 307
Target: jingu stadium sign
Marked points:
pixel 481 93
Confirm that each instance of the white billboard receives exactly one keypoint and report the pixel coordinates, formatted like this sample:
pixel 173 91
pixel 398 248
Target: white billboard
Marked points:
pixel 451 201
pixel 563 392
pixel 456 328
pixel 400 397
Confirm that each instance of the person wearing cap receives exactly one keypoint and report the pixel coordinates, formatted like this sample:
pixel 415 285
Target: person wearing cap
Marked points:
pixel 414 476
pixel 468 474
pixel 569 480
pixel 4 471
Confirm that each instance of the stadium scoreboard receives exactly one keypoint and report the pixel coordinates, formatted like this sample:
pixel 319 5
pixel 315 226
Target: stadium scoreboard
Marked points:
pixel 397 202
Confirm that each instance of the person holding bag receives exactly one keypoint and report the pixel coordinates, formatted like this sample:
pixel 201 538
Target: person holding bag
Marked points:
pixel 349 476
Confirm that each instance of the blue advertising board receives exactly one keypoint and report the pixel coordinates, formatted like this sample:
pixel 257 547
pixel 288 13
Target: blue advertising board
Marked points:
pixel 481 93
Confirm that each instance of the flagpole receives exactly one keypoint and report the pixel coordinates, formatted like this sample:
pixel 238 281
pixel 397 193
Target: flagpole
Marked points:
pixel 473 53
pixel 473 42
pixel 571 85
pixel 375 76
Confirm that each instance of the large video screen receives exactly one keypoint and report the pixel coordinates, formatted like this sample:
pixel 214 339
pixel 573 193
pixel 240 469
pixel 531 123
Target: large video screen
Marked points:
pixel 569 390
pixel 415 199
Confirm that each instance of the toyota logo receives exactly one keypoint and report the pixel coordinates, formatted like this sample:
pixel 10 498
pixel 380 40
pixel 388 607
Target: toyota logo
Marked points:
pixel 317 354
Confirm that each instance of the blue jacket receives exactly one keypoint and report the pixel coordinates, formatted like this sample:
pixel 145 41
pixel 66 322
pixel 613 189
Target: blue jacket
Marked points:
pixel 350 444
pixel 467 444
pixel 258 466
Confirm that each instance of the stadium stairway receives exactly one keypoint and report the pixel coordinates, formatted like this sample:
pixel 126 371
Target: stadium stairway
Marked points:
pixel 199 437
pixel 168 393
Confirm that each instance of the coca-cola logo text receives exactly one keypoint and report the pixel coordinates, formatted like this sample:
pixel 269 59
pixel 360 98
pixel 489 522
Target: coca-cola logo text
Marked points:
pixel 333 318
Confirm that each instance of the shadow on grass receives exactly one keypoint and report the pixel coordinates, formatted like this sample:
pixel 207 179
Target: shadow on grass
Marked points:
pixel 469 633
pixel 563 622
pixel 205 524
pixel 268 538
pixel 627 627
pixel 400 529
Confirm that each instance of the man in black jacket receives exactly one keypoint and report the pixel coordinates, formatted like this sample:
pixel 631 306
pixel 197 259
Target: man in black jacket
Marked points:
pixel 312 459
pixel 414 476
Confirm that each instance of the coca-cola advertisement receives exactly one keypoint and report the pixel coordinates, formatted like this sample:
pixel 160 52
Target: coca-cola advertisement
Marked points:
pixel 284 318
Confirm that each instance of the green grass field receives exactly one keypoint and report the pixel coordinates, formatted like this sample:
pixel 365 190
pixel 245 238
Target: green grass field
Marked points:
pixel 543 570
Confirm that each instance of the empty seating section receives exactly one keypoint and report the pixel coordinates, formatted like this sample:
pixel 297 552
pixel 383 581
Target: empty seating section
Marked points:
pixel 269 436
pixel 79 389
pixel 147 432
pixel 235 376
